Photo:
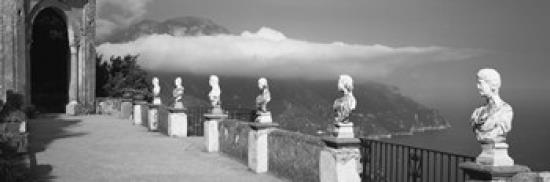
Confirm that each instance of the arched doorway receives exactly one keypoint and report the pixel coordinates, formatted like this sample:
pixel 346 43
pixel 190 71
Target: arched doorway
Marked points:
pixel 49 61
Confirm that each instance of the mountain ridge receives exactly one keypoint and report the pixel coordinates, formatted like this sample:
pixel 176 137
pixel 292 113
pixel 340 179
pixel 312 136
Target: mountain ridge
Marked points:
pixel 297 104
pixel 178 26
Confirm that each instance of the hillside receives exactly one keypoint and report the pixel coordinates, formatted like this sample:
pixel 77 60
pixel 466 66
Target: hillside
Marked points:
pixel 180 26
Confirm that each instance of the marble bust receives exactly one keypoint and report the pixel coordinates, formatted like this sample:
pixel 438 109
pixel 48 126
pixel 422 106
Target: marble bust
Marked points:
pixel 178 93
pixel 344 105
pixel 264 97
pixel 492 121
pixel 214 94
pixel 156 91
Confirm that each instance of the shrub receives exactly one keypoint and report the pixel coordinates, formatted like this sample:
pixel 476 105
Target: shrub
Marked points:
pixel 119 75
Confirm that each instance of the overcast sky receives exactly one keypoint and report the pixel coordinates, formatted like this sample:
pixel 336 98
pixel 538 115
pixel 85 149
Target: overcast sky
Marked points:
pixel 513 35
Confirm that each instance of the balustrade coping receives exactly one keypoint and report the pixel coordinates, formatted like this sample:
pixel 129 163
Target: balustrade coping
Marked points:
pixel 341 142
pixel 479 171
pixel 365 140
pixel 259 126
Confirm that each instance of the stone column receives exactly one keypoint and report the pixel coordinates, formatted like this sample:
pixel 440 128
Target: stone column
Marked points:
pixel 153 117
pixel 140 114
pixel 211 132
pixel 177 122
pixel 258 153
pixel 71 108
pixel 339 159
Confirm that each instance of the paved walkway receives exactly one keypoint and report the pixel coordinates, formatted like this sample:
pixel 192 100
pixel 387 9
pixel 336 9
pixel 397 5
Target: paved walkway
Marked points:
pixel 102 148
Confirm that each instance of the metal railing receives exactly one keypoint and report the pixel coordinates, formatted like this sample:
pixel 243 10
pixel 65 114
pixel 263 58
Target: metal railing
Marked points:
pixel 195 117
pixel 384 161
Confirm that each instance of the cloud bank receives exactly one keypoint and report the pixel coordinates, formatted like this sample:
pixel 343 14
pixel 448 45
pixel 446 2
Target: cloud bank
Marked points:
pixel 115 14
pixel 269 52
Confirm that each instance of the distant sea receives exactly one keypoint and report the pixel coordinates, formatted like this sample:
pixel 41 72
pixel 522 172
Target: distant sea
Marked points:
pixel 529 139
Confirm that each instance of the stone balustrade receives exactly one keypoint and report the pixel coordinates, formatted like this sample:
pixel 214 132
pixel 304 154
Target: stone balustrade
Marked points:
pixel 291 155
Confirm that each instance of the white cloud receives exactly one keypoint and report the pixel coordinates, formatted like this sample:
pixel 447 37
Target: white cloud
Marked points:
pixel 270 53
pixel 115 14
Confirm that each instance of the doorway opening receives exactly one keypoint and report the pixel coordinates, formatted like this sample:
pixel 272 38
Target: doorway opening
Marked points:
pixel 49 61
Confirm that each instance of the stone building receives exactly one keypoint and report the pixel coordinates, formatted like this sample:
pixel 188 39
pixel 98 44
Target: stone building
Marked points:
pixel 47 53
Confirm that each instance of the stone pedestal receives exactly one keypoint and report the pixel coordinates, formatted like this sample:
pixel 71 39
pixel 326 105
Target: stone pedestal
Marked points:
pixel 339 160
pixel 485 173
pixel 126 108
pixel 153 117
pixel 494 154
pixel 71 108
pixel 179 105
pixel 257 146
pixel 140 114
pixel 157 101
pixel 343 130
pixel 211 132
pixel 177 122
pixel 216 110
pixel 263 117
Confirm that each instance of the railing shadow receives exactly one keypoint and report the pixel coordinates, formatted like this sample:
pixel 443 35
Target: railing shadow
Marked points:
pixel 44 130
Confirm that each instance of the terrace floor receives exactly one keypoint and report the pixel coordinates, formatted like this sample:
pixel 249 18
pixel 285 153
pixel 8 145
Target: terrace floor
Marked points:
pixel 104 148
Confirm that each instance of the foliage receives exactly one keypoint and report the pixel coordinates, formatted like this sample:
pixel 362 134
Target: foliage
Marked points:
pixel 120 74
pixel 13 144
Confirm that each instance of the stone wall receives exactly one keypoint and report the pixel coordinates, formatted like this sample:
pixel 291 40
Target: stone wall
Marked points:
pixel 109 106
pixel 234 139
pixel 532 177
pixel 294 156
pixel 12 47
pixel 16 22
pixel 163 119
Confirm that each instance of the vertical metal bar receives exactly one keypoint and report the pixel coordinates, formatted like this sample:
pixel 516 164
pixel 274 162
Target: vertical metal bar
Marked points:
pixel 387 161
pixel 391 162
pixel 405 162
pixel 442 167
pixel 378 174
pixel 449 157
pixel 402 177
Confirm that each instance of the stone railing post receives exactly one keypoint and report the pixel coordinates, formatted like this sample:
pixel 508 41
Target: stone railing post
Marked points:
pixel 177 122
pixel 153 117
pixel 339 159
pixel 211 130
pixel 258 153
pixel 140 116
pixel 492 165
pixel 486 173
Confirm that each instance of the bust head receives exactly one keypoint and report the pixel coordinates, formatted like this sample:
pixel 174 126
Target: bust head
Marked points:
pixel 213 80
pixel 345 83
pixel 262 83
pixel 178 82
pixel 155 81
pixel 488 82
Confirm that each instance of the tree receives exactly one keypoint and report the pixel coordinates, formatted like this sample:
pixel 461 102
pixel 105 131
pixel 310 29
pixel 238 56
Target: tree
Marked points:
pixel 120 74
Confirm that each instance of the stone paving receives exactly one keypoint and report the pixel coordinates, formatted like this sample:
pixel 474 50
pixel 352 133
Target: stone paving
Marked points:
pixel 103 148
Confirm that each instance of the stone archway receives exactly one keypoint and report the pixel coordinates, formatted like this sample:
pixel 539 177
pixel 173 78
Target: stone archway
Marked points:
pixel 49 61
pixel 74 48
